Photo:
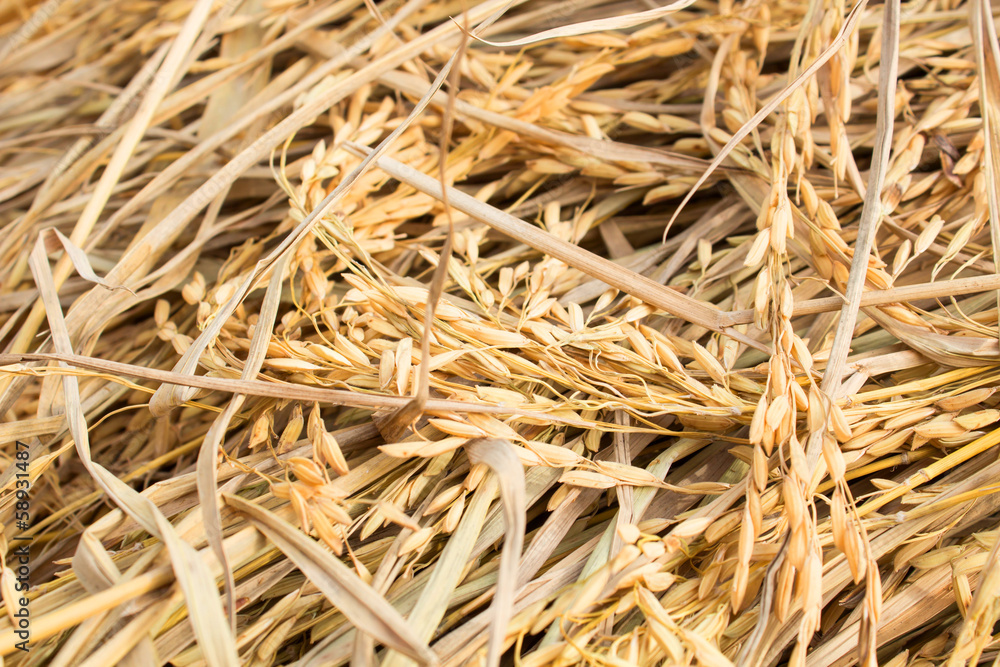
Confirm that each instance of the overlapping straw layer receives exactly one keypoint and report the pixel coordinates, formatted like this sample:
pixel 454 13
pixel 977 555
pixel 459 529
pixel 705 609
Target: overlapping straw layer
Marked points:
pixel 523 333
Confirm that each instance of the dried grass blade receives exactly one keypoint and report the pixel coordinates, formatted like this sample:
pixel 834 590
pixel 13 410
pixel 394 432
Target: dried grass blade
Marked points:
pixel 207 470
pixel 566 134
pixel 904 294
pixel 359 602
pixel 623 492
pixel 937 468
pixel 82 265
pixel 981 616
pixel 948 350
pixel 871 215
pixel 500 457
pixel 750 651
pixel 207 480
pixel 204 606
pixel 598 25
pixel 988 61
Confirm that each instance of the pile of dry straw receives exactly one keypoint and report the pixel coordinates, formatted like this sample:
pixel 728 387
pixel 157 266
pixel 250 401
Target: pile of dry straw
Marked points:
pixel 534 333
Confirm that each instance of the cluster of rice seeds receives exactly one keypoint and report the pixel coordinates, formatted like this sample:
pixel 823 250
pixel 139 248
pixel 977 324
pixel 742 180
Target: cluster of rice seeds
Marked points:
pixel 775 417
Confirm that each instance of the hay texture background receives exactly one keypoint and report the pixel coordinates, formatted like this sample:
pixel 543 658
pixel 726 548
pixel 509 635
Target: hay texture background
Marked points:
pixel 524 333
